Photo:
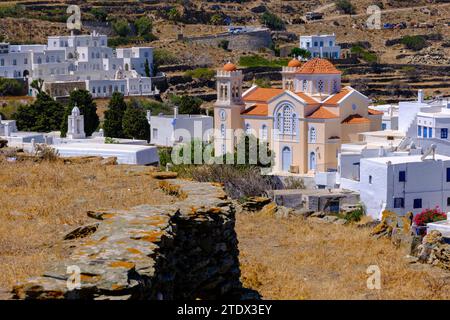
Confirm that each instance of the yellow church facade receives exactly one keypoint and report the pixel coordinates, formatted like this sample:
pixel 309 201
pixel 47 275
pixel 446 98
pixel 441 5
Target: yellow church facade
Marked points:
pixel 305 122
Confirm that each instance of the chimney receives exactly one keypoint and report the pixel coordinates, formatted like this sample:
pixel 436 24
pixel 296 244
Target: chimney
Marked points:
pixel 175 112
pixel 420 96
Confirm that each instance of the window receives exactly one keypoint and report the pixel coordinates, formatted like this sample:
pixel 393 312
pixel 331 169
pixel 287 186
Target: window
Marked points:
pixel 448 202
pixel 248 129
pixel 222 130
pixel 316 44
pixel 419 131
pixel 448 174
pixel 321 43
pixel 14 62
pixel 417 203
pixel 383 126
pixel 402 176
pixel 370 179
pixel 155 133
pixel 2 62
pixel 331 43
pixel 399 202
pixel 264 132
pixel 430 132
pixel 320 86
pixel 25 61
pixel 305 85
pixel 425 132
pixel 444 133
pixel 312 135
pixel 287 120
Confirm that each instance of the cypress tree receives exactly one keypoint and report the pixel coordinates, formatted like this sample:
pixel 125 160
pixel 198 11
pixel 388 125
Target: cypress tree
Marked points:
pixel 135 124
pixel 114 116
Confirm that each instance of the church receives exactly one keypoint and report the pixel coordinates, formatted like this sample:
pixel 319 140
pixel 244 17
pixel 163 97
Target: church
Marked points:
pixel 304 122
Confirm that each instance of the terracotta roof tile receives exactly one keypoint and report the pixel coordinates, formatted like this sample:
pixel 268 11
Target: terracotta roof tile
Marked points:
pixel 322 113
pixel 262 94
pixel 334 99
pixel 307 98
pixel 373 112
pixel 256 110
pixel 355 119
pixel 318 66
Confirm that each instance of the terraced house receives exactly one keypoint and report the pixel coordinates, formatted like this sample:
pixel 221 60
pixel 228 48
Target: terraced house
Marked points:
pixel 305 122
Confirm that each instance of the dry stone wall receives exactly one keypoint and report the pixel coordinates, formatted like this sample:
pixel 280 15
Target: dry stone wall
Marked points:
pixel 187 250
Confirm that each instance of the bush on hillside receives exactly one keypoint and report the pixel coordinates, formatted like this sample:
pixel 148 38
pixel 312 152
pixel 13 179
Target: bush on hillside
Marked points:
pixel 272 21
pixel 201 73
pixel 415 43
pixel 345 6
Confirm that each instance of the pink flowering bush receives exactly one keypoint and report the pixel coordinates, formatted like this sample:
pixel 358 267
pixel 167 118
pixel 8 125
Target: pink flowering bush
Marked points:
pixel 429 215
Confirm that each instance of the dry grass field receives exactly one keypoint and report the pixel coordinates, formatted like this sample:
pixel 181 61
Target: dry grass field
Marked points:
pixel 41 202
pixel 297 259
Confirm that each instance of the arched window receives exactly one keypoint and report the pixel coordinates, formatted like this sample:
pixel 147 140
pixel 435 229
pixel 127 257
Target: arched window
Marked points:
pixel 93 90
pixel 312 135
pixel 39 60
pixel 287 120
pixel 294 123
pixel 222 130
pixel 312 161
pixel 264 134
pixel 248 129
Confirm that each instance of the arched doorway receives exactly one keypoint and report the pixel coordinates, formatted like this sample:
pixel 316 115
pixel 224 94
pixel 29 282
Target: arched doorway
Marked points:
pixel 312 161
pixel 127 67
pixel 26 73
pixel 286 160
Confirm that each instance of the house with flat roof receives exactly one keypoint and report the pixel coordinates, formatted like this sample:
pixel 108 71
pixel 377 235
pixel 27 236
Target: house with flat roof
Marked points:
pixel 321 46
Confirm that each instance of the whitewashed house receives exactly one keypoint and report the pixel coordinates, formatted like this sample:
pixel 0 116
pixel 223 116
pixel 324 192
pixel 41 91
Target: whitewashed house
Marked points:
pixel 80 62
pixel 404 183
pixel 321 46
pixel 168 130
pixel 390 116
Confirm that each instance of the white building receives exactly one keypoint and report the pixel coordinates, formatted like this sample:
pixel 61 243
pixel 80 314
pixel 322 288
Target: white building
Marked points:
pixel 390 115
pixel 80 61
pixel 168 130
pixel 322 46
pixel 404 183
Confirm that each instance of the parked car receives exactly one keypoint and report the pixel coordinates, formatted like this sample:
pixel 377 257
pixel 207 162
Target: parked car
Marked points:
pixel 314 16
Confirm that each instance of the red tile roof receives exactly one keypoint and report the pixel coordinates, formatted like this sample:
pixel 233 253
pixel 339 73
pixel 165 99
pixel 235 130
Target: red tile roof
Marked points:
pixel 322 113
pixel 373 112
pixel 262 94
pixel 307 98
pixel 256 110
pixel 334 99
pixel 355 119
pixel 318 66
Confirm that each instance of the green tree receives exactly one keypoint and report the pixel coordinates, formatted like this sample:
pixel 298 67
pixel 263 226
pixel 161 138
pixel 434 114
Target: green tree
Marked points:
pixel 122 28
pixel 37 85
pixel 174 15
pixel 11 87
pixel 144 26
pixel 83 100
pixel 216 19
pixel 44 115
pixel 300 52
pixel 99 14
pixel 187 104
pixel 148 72
pixel 114 116
pixel 272 21
pixel 135 124
pixel 415 43
pixel 345 6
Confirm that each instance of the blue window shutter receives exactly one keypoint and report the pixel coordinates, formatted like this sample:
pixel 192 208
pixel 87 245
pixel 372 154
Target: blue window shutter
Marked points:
pixel 448 174
pixel 419 131
pixel 430 132
pixel 402 176
pixel 425 132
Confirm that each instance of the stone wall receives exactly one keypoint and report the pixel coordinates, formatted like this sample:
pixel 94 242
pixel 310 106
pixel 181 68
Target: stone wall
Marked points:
pixel 250 41
pixel 186 250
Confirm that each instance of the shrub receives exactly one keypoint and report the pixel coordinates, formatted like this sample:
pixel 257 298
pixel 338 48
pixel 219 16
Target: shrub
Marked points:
pixel 154 106
pixel 44 115
pixel 144 25
pixel 187 104
pixel 345 6
pixel 355 215
pixel 11 87
pixel 429 215
pixel 114 116
pixel 263 82
pixel 122 28
pixel 294 183
pixel 46 153
pixel 99 14
pixel 258 61
pixel 135 124
pixel 224 44
pixel 415 43
pixel 272 21
pixel 300 52
pixel 163 57
pixel 201 73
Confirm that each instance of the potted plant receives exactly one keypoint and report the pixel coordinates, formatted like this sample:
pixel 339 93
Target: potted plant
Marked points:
pixel 427 216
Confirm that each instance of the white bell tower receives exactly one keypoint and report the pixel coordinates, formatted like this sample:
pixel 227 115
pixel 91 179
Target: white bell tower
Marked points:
pixel 75 128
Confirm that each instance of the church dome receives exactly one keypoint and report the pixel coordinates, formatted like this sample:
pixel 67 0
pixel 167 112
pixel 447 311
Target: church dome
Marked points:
pixel 318 66
pixel 294 63
pixel 229 67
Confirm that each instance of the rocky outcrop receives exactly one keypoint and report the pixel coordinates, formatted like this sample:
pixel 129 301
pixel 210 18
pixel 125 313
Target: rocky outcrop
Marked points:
pixel 433 250
pixel 186 250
